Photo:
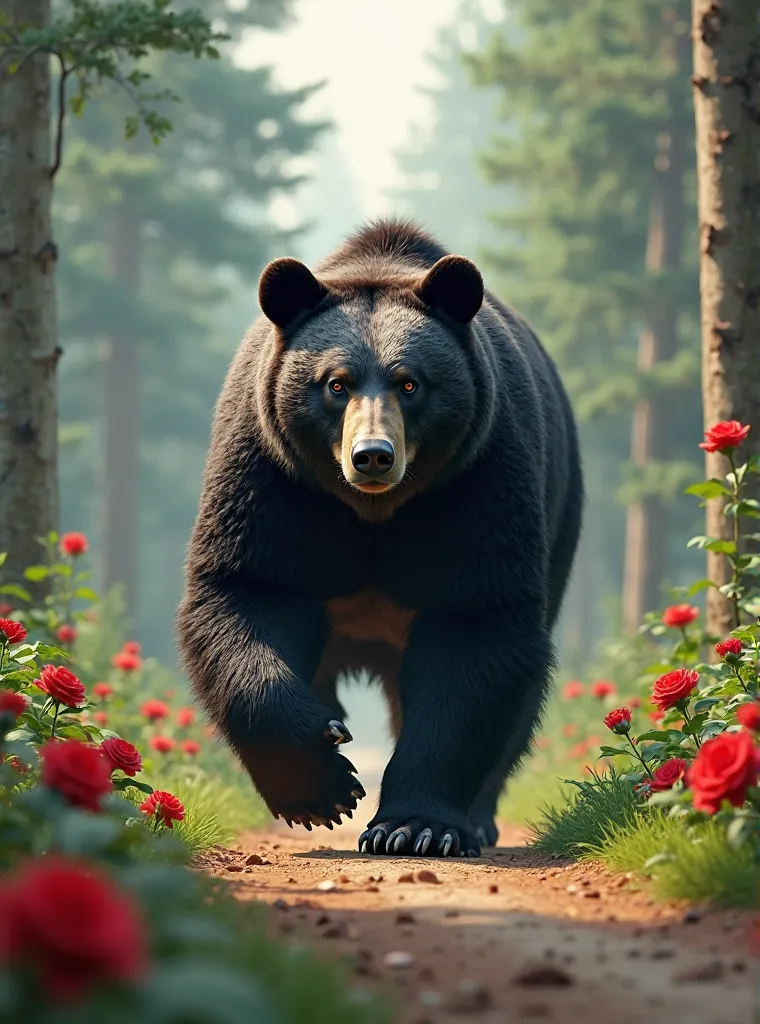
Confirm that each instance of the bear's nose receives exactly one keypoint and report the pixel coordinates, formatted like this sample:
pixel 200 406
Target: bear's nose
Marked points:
pixel 373 457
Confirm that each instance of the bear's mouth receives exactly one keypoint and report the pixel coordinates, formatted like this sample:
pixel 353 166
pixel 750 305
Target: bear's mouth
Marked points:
pixel 372 487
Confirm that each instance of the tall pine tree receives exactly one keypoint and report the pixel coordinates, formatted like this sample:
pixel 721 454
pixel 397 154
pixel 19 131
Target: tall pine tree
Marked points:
pixel 599 254
pixel 157 242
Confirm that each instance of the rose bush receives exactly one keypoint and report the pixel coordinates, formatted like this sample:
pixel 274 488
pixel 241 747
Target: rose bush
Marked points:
pixel 99 917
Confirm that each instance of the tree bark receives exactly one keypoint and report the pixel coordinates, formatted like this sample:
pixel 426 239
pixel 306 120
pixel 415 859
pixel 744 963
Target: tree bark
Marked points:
pixel 647 519
pixel 726 37
pixel 28 331
pixel 121 440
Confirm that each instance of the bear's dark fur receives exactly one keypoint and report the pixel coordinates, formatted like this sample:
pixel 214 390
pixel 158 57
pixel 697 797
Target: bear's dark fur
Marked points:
pixel 393 483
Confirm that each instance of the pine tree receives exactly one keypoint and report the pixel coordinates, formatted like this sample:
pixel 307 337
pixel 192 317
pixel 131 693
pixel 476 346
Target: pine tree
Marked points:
pixel 89 42
pixel 443 186
pixel 727 104
pixel 157 241
pixel 597 252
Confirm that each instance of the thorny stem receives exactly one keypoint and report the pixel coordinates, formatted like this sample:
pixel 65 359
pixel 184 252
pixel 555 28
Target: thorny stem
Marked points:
pixel 638 755
pixel 734 559
pixel 687 719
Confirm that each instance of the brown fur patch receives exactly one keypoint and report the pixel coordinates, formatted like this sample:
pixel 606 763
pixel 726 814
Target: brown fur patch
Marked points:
pixel 374 416
pixel 370 615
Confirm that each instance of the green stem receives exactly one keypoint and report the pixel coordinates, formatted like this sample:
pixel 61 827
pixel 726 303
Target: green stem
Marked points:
pixel 156 822
pixel 3 647
pixel 741 681
pixel 55 720
pixel 687 719
pixel 638 755
pixel 735 574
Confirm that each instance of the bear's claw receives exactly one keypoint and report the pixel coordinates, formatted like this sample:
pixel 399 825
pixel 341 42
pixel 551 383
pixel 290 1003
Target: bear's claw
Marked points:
pixel 338 732
pixel 417 839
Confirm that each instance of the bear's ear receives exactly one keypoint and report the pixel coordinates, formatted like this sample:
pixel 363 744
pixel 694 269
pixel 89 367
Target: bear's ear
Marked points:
pixel 454 286
pixel 288 288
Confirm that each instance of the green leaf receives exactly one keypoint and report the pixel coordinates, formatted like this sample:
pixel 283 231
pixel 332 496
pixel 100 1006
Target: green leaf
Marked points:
pixel 13 591
pixel 35 573
pixel 720 547
pixel 709 489
pixel 86 594
pixel 3 556
pixel 693 727
pixel 713 728
pixel 122 784
pixel 611 751
pixel 659 858
pixel 699 586
pixel 705 703
pixel 653 734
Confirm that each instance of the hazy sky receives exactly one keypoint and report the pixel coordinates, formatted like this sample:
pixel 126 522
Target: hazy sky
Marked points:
pixel 372 55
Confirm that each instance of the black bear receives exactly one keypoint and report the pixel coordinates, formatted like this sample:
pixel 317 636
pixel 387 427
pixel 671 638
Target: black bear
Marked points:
pixel 393 483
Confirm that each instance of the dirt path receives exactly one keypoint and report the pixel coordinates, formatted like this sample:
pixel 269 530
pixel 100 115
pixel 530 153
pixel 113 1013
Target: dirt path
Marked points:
pixel 511 937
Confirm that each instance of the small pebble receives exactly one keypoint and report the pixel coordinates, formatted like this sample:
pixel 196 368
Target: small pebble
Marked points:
pixel 428 876
pixel 407 879
pixel 591 894
pixel 543 976
pixel 327 886
pixel 406 918
pixel 470 996
pixel 398 959
pixel 493 888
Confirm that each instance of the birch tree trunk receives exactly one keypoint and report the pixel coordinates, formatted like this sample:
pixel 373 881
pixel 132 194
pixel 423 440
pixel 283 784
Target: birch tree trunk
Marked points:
pixel 726 39
pixel 28 338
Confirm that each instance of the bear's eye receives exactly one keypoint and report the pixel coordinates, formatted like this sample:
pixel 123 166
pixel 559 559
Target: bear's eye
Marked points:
pixel 409 387
pixel 337 387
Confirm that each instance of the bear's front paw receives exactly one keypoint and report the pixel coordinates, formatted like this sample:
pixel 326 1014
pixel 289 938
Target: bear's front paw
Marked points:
pixel 419 835
pixel 486 830
pixel 307 785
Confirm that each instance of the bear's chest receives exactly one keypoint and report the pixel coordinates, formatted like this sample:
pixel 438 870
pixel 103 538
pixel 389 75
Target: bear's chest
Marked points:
pixel 370 616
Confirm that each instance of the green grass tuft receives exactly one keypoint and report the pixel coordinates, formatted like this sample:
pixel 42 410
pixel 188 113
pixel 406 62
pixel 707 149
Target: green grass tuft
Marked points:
pixel 582 823
pixel 699 864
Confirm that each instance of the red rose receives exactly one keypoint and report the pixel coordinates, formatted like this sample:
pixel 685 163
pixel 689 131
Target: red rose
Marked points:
pixel 5 609
pixel 727 434
pixel 102 690
pixel 71 925
pixel 154 710
pixel 619 721
pixel 62 685
pixel 122 755
pixel 748 715
pixel 667 774
pixel 185 717
pixel 164 806
pixel 131 647
pixel 192 747
pixel 66 634
pixel 162 744
pixel 12 704
pixel 77 771
pixel 679 615
pixel 674 686
pixel 73 544
pixel 11 632
pixel 100 718
pixel 724 769
pixel 572 690
pixel 730 646
pixel 602 689
pixel 127 661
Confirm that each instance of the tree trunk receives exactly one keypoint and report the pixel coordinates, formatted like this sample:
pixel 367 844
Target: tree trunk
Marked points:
pixel 28 337
pixel 647 520
pixel 121 446
pixel 726 82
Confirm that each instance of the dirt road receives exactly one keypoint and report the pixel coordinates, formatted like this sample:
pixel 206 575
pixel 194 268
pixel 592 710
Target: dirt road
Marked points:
pixel 511 937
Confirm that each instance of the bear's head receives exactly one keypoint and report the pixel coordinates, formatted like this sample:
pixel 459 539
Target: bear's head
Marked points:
pixel 373 387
